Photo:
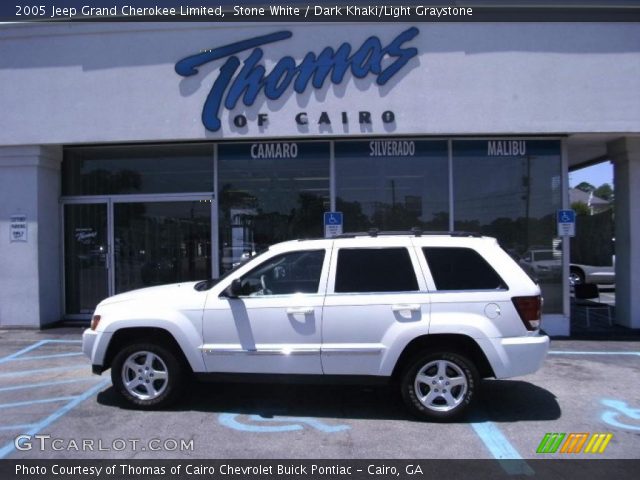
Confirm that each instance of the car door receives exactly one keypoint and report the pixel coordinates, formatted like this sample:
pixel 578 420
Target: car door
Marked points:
pixel 376 297
pixel 273 326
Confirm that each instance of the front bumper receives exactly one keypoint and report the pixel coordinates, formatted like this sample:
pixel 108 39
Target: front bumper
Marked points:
pixel 89 338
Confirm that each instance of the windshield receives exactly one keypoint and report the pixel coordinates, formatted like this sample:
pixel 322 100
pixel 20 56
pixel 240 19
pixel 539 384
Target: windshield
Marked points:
pixel 210 283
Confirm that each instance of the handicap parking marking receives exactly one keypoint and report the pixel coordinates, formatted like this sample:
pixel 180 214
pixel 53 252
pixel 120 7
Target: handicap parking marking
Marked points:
pixel 620 408
pixel 69 402
pixel 291 424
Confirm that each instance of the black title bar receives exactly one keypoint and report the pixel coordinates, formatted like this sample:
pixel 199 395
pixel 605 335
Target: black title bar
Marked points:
pixel 319 11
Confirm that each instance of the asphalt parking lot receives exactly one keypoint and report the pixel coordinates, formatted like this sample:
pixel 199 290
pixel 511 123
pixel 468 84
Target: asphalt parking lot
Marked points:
pixel 47 389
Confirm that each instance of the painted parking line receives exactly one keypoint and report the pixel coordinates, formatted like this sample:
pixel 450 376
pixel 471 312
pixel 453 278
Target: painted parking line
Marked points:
pixel 35 402
pixel 571 352
pixel 45 357
pixel 45 384
pixel 37 427
pixel 8 358
pixel 16 427
pixel 501 448
pixel 70 401
pixel 35 371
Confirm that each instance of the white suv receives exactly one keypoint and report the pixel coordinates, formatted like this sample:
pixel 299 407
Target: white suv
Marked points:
pixel 432 313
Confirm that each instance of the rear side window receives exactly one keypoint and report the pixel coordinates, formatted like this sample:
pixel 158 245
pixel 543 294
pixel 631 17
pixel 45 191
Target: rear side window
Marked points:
pixel 363 270
pixel 456 268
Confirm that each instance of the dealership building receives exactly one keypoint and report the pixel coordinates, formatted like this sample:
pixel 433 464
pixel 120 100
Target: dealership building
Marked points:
pixel 135 154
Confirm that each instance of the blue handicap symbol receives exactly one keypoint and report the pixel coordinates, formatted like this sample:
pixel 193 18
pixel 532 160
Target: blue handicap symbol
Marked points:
pixel 612 417
pixel 289 424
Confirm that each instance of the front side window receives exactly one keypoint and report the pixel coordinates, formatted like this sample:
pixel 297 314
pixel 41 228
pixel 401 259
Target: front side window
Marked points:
pixel 286 274
pixel 455 268
pixel 362 270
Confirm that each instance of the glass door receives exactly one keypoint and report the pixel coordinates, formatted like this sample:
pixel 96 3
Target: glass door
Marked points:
pixel 160 242
pixel 86 256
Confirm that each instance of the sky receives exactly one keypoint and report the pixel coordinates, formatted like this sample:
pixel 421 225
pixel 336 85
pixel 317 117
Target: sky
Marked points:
pixel 596 175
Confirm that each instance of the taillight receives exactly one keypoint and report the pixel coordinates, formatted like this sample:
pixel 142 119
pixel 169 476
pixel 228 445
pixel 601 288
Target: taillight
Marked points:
pixel 95 321
pixel 530 310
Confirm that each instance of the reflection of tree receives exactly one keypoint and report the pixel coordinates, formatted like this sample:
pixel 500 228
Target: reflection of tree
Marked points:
pixel 397 217
pixel 104 182
pixel 512 233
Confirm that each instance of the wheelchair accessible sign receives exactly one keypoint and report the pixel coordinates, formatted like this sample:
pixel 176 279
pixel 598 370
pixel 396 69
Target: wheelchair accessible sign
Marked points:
pixel 566 223
pixel 332 224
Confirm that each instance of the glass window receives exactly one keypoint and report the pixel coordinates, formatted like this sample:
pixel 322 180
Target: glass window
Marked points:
pixel 511 190
pixel 454 268
pixel 392 184
pixel 133 169
pixel 286 274
pixel 270 192
pixel 375 270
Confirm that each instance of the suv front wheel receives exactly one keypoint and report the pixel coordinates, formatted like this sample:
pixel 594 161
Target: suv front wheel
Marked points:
pixel 148 375
pixel 439 385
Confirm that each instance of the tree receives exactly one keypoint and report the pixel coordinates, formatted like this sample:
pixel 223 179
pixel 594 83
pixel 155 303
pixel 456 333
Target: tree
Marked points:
pixel 581 208
pixel 604 191
pixel 585 187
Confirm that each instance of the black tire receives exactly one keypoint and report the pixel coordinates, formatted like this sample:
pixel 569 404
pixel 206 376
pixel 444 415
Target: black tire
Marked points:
pixel 576 276
pixel 160 373
pixel 446 402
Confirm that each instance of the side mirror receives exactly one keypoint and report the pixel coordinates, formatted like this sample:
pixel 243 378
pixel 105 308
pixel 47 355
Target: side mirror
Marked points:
pixel 234 290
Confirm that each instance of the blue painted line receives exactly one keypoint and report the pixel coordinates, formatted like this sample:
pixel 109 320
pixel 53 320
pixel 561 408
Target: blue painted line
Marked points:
pixel 9 447
pixel 17 427
pixel 45 384
pixel 55 340
pixel 43 357
pixel 24 350
pixel 559 352
pixel 33 402
pixel 20 373
pixel 501 448
pixel 229 420
pixel 291 424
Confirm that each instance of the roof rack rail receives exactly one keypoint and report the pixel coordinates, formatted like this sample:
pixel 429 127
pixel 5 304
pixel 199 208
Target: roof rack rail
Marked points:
pixel 374 232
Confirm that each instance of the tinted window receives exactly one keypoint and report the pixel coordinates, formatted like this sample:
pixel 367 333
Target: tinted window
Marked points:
pixel 461 269
pixel 295 272
pixel 375 270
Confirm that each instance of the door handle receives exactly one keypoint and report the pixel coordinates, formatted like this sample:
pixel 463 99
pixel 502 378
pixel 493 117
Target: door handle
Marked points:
pixel 299 310
pixel 411 307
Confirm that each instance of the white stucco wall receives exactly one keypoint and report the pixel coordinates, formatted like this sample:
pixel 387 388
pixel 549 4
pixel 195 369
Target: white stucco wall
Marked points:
pixel 77 83
pixel 30 271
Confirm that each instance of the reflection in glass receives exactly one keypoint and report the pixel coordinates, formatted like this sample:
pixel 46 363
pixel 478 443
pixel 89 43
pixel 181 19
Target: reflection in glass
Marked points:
pixel 392 184
pixel 137 169
pixel 161 242
pixel 85 256
pixel 513 194
pixel 265 200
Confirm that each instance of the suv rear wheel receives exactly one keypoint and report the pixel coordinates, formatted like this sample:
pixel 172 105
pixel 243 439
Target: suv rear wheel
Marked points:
pixel 148 375
pixel 439 385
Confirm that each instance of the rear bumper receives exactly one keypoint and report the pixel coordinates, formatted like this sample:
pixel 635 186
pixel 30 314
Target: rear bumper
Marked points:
pixel 516 356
